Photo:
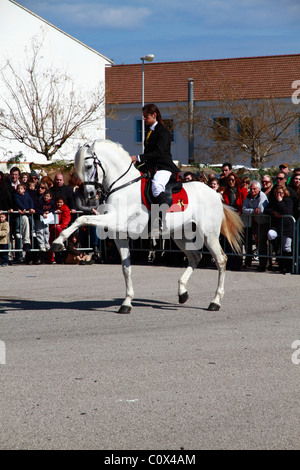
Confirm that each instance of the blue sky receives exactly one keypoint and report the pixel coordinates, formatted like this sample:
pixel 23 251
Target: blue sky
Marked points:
pixel 177 30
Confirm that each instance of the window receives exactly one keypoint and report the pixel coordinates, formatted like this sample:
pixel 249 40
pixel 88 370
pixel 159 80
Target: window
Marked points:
pixel 138 129
pixel 221 128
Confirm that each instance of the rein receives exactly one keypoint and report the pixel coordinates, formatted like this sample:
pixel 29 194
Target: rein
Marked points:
pixel 109 191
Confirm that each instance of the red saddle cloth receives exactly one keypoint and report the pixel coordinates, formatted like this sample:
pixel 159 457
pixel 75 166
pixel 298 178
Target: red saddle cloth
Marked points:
pixel 180 199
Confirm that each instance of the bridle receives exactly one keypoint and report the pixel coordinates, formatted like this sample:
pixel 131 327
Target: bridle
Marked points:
pixel 104 194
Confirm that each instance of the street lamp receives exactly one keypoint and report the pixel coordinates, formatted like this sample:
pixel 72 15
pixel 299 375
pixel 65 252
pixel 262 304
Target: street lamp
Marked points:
pixel 147 58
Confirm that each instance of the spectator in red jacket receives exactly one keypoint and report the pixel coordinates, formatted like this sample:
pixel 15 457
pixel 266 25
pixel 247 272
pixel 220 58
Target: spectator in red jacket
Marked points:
pixel 64 218
pixel 234 194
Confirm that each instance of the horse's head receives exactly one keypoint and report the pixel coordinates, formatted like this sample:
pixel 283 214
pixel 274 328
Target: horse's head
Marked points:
pixel 90 170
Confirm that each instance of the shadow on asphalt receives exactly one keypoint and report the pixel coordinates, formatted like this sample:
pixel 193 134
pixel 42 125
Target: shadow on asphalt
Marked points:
pixel 14 305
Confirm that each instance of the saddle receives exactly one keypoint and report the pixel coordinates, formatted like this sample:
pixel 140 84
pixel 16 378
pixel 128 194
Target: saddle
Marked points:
pixel 176 196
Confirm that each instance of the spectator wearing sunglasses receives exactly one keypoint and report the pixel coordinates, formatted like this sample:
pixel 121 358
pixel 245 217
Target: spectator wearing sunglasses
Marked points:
pixel 234 194
pixel 34 177
pixel 285 168
pixel 281 180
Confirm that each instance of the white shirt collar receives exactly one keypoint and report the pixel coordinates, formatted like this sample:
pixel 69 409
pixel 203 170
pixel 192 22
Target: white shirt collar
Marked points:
pixel 153 126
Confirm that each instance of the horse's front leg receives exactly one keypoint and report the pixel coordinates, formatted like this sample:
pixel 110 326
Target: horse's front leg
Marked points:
pixel 123 248
pixel 58 243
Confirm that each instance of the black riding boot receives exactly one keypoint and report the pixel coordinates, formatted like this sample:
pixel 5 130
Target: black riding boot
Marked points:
pixel 161 198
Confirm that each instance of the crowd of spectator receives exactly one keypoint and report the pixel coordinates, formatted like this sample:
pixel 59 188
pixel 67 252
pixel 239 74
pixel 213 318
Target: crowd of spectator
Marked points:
pixel 35 209
pixel 262 206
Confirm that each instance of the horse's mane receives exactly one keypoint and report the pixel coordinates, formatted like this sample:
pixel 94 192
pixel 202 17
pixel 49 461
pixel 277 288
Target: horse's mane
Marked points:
pixel 116 146
pixel 102 147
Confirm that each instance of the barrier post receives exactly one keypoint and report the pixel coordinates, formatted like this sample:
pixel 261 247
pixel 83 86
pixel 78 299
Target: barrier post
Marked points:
pixel 297 248
pixel 294 239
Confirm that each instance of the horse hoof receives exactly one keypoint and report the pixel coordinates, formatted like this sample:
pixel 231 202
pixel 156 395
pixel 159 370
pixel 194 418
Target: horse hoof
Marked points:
pixel 124 309
pixel 213 307
pixel 56 247
pixel 183 297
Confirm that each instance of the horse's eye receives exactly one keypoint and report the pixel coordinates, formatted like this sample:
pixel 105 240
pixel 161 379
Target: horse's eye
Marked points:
pixel 89 167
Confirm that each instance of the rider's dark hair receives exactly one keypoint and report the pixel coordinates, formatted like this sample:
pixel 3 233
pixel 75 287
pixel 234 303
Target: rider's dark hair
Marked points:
pixel 151 109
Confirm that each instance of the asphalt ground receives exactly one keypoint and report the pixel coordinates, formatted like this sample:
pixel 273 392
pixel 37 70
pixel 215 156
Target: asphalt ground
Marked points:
pixel 75 374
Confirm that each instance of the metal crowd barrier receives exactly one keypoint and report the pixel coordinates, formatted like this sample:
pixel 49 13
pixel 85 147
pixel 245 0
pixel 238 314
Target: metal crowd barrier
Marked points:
pixel 12 218
pixel 144 250
pixel 261 223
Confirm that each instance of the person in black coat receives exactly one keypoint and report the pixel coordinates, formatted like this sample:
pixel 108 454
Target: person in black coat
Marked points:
pixel 295 186
pixel 61 189
pixel 281 204
pixel 157 152
pixel 281 180
pixel 6 199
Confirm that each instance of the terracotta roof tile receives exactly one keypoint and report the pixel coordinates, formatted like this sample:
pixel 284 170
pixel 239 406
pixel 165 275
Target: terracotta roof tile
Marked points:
pixel 249 77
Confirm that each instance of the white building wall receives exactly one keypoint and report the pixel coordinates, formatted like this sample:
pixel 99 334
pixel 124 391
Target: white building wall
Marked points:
pixel 60 51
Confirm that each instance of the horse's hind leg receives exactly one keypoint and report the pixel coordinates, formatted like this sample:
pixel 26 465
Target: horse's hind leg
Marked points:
pixel 193 257
pixel 220 258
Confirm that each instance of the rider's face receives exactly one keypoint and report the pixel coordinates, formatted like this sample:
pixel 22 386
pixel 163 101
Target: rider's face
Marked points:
pixel 149 119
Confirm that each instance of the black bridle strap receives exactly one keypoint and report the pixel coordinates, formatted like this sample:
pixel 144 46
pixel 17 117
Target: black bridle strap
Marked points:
pixel 120 177
pixel 109 191
pixel 95 172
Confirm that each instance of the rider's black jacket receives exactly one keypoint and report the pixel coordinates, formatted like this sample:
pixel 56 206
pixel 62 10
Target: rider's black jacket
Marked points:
pixel 157 152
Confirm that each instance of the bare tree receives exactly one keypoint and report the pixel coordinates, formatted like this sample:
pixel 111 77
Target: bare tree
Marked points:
pixel 258 128
pixel 42 108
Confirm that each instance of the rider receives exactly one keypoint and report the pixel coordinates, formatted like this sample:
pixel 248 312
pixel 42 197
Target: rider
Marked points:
pixel 157 152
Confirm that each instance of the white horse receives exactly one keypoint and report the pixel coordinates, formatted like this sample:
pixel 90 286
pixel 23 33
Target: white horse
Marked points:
pixel 107 165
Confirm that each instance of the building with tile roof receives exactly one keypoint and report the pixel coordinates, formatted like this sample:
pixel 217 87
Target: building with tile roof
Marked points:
pixel 247 80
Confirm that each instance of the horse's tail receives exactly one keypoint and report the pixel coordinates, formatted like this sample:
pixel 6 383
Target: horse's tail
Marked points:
pixel 232 228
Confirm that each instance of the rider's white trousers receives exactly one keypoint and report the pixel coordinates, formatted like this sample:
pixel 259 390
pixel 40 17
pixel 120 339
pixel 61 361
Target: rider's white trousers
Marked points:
pixel 160 179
